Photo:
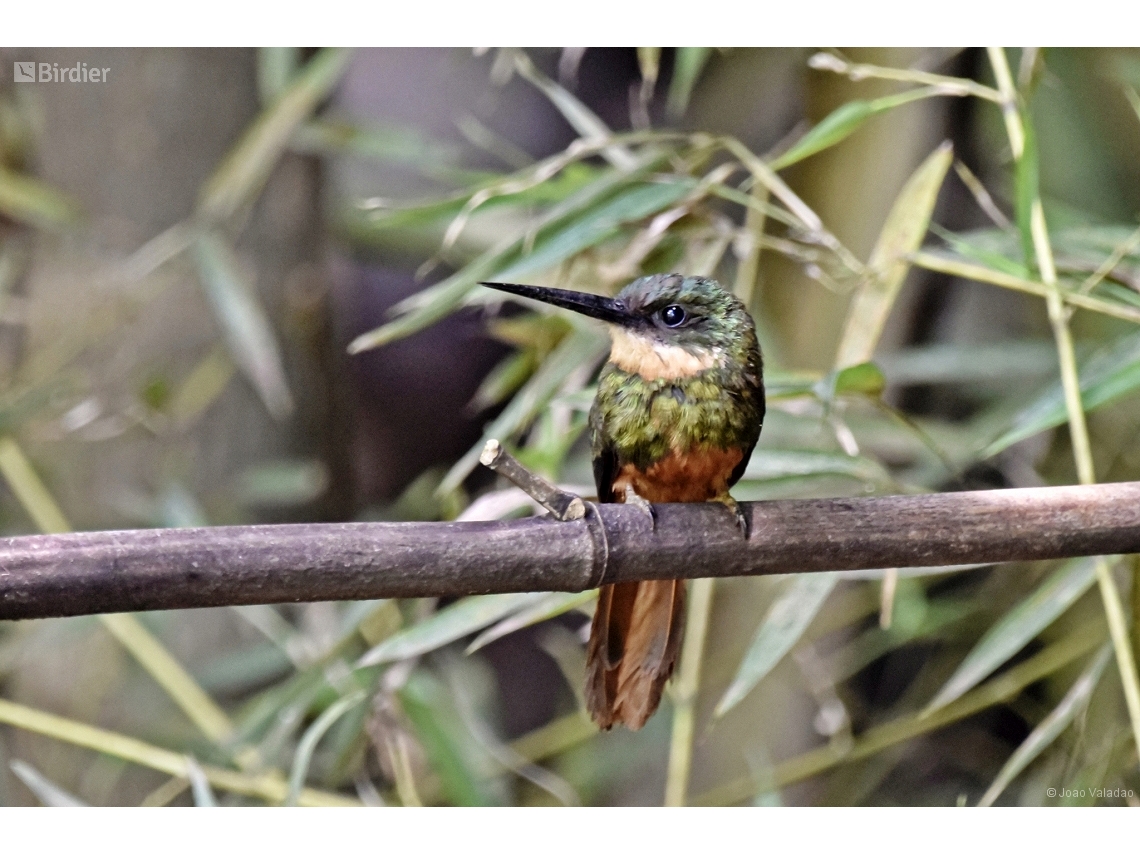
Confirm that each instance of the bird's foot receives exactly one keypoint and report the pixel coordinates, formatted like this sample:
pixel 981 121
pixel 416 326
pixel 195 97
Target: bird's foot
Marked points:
pixel 742 522
pixel 631 498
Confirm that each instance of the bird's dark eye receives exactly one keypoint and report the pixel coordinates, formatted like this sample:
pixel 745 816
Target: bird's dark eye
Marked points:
pixel 673 316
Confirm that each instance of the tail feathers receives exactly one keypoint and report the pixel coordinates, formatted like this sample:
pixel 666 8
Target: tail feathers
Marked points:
pixel 634 642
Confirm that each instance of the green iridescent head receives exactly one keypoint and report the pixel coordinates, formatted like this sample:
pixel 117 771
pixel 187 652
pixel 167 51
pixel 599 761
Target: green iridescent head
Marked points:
pixel 691 312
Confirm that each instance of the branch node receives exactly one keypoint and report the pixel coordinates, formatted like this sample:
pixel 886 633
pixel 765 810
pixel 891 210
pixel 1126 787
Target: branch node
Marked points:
pixel 561 504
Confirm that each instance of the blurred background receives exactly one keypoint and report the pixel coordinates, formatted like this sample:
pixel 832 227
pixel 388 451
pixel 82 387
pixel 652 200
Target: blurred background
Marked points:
pixel 239 287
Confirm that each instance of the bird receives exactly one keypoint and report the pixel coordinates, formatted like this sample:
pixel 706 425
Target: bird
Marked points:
pixel 678 411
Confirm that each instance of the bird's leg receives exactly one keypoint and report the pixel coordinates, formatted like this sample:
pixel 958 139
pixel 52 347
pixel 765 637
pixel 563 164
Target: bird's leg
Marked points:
pixel 742 522
pixel 631 498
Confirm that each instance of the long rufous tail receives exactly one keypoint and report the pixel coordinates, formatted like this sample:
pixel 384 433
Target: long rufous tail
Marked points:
pixel 634 642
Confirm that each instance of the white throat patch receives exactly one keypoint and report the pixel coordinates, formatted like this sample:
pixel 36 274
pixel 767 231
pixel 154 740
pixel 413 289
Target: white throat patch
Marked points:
pixel 653 360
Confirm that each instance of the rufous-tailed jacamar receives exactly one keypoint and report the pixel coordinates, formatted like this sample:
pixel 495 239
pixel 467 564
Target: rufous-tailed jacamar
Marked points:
pixel 679 408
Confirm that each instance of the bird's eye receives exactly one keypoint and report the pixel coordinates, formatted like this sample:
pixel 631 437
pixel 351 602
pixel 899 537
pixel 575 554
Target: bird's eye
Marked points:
pixel 673 316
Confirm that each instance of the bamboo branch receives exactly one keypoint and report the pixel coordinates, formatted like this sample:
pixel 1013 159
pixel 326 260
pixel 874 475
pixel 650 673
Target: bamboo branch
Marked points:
pixel 93 572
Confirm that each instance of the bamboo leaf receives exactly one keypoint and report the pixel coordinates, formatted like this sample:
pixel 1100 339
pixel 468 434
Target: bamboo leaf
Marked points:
pixel 837 125
pixel 580 117
pixel 971 249
pixel 445 626
pixel 1027 190
pixel 248 333
pixel 425 308
pixel 943 264
pixel 282 483
pixel 598 226
pixel 1018 627
pixel 467 773
pixel 46 790
pixel 783 625
pixel 1107 375
pixel 28 200
pixel 551 605
pixel 862 379
pixel 276 67
pixel 504 379
pixel 585 345
pixel 902 234
pixel 199 784
pixel 688 63
pixel 30 489
pixel 883 736
pixel 1010 361
pixel 202 386
pixel 303 757
pixel 240 177
pixel 649 62
pixel 769 464
pixel 268 786
pixel 847 118
pixel 1052 726
pixel 127 629
pixel 388 142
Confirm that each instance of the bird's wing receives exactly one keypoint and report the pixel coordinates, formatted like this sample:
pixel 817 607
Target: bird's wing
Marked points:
pixel 604 458
pixel 756 391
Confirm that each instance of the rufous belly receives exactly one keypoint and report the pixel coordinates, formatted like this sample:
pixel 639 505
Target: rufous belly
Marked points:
pixel 689 476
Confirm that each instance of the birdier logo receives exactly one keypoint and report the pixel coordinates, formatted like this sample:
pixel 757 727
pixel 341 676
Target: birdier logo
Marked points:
pixel 51 72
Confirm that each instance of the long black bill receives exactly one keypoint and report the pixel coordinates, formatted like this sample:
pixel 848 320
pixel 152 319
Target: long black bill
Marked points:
pixel 603 308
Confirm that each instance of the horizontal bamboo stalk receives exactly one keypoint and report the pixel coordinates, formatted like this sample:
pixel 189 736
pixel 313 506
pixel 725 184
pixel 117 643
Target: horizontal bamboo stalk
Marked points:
pixel 95 572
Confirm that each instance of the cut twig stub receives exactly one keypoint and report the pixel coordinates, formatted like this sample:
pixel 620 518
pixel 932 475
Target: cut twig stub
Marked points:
pixel 561 504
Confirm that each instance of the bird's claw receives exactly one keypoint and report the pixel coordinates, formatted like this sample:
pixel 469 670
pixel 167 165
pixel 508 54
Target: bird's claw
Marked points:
pixel 631 498
pixel 742 522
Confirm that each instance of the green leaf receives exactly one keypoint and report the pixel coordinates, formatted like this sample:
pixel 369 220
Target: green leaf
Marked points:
pixel 769 464
pixel 865 648
pixel 430 305
pixel 837 125
pixel 902 234
pixel 240 177
pixel 248 333
pixel 30 201
pixel 283 483
pixel 1052 726
pixel 783 625
pixel 1011 361
pixel 585 345
pixel 388 142
pixel 1018 627
pixel 1109 374
pixel 551 605
pixel 598 226
pixel 368 222
pixel 584 120
pixel 969 248
pixel 504 379
pixel 303 756
pixel 1027 190
pixel 862 379
pixel 467 774
pixel 447 625
pixel 688 63
pixel 276 67
pixel 649 62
